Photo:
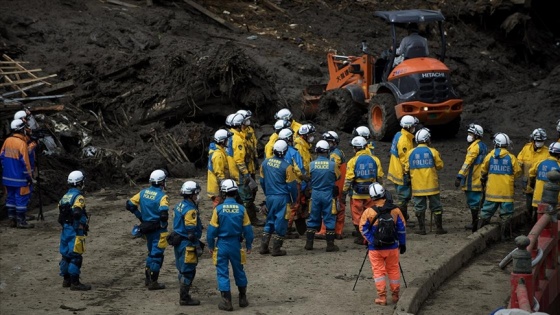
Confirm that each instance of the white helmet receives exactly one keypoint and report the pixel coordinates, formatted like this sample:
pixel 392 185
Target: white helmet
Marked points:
pixel 331 136
pixel 476 130
pixel 237 120
pixel 362 131
pixel 75 178
pixel 280 148
pixel 286 134
pixel 17 125
pixel 158 177
pixel 376 191
pixel 538 135
pixel 408 121
pixel 228 120
pixel 501 140
pixel 190 187
pixel 322 146
pixel 246 115
pixel 21 114
pixel 359 142
pixel 284 114
pixel 423 135
pixel 554 148
pixel 281 124
pixel 221 136
pixel 306 129
pixel 228 185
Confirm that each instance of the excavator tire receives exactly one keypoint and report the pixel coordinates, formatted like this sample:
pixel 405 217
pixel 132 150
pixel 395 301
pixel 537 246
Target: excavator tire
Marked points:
pixel 382 117
pixel 337 110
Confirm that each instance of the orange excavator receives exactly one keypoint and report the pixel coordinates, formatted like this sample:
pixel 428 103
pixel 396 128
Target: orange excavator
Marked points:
pixel 419 86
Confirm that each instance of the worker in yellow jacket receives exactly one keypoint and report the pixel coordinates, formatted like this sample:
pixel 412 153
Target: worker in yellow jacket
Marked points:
pixel 286 114
pixel 218 167
pixel 499 170
pixel 278 125
pixel 537 174
pixel 422 163
pixel 403 142
pixel 251 142
pixel 533 152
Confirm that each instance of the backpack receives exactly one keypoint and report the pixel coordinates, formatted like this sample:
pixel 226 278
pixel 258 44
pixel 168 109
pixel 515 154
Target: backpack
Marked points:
pixel 386 232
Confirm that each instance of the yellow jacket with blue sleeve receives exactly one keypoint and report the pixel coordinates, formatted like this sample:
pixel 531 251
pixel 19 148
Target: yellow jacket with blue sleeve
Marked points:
pixel 362 170
pixel 537 173
pixel 303 147
pixel 528 157
pixel 470 171
pixel 422 164
pixel 295 128
pixel 230 221
pixel 401 145
pixel 501 168
pixel 218 170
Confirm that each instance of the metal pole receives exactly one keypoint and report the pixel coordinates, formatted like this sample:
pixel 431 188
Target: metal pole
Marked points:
pixel 402 274
pixel 362 267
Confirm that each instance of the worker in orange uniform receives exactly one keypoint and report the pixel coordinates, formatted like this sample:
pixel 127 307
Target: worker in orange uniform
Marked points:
pixel 422 163
pixel 278 125
pixel 386 240
pixel 361 170
pixel 537 174
pixel 532 152
pixel 218 168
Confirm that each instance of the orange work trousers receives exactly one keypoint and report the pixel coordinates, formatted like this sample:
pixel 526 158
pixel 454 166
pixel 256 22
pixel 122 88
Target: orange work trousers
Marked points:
pixel 385 262
pixel 340 215
pixel 358 207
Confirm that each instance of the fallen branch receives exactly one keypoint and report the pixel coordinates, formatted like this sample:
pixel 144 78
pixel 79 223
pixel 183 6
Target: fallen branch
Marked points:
pixel 273 6
pixel 210 15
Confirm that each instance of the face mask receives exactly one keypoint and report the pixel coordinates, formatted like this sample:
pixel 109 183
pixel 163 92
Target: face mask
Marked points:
pixel 539 144
pixel 310 139
pixel 470 138
pixel 197 200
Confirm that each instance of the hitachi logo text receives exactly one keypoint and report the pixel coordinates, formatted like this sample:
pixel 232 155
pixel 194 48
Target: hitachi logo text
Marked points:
pixel 433 75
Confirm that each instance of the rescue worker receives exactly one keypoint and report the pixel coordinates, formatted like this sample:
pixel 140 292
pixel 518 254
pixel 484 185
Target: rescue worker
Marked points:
pixel 17 174
pixel 412 46
pixel 499 170
pixel 537 174
pixel 337 156
pixel 279 184
pixel 532 152
pixel 286 114
pixel 151 207
pixel 251 140
pixel 401 145
pixel 365 132
pixel 218 167
pixel 469 174
pixel 323 173
pixel 187 225
pixel 230 225
pixel 422 164
pixel 238 150
pixel 303 144
pixel 384 259
pixel 278 125
pixel 74 220
pixel 361 170
pixel 25 116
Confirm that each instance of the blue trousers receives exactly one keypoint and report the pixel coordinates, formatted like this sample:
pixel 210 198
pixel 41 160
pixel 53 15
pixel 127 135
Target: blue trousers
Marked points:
pixel 421 204
pixel 228 250
pixel 473 199
pixel 71 248
pixel 156 244
pixel 490 207
pixel 404 194
pixel 186 261
pixel 323 209
pixel 16 202
pixel 277 218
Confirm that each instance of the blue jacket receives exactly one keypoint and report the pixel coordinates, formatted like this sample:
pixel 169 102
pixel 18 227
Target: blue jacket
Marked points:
pixel 230 220
pixel 76 200
pixel 324 174
pixel 278 178
pixel 187 221
pixel 151 201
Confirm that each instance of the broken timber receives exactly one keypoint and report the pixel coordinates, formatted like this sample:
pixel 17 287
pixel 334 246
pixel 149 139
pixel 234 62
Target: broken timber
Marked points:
pixel 211 15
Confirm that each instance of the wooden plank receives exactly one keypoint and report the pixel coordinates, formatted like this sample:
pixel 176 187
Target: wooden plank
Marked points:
pixel 124 4
pixel 15 86
pixel 273 6
pixel 48 108
pixel 28 80
pixel 25 88
pixel 21 71
pixel 22 68
pixel 12 61
pixel 210 15
pixel 59 87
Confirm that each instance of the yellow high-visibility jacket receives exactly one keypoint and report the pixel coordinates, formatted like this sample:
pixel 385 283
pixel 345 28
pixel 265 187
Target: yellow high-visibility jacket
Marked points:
pixel 422 163
pixel 470 171
pixel 538 173
pixel 251 148
pixel 218 170
pixel 362 170
pixel 268 148
pixel 501 168
pixel 295 128
pixel 402 144
pixel 303 148
pixel 239 151
pixel 527 157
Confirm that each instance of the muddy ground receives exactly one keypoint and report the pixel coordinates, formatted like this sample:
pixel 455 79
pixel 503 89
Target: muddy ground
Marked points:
pixel 142 73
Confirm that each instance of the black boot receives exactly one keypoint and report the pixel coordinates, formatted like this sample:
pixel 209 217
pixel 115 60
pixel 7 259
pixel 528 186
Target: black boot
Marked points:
pixel 356 231
pixel 12 216
pixel 505 229
pixel 482 222
pixel 243 297
pixel 184 296
pixel 330 241
pixel 265 241
pixel 252 212
pixel 310 234
pixel 154 285
pixel 147 274
pixel 22 222
pixel 404 210
pixel 439 224
pixel 474 217
pixel 421 223
pixel 225 304
pixel 66 283
pixel 359 238
pixel 76 285
pixel 276 247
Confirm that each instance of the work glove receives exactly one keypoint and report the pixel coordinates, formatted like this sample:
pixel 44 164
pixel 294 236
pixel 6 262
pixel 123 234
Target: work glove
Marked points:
pixel 457 182
pixel 402 249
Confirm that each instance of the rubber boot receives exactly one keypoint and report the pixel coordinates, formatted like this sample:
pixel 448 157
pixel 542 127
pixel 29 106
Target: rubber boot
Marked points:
pixel 12 216
pixel 310 234
pixel 22 222
pixel 482 222
pixel 76 285
pixel 154 285
pixel 382 299
pixel 421 223
pixel 265 241
pixel 395 296
pixel 356 231
pixel 330 242
pixel 252 212
pixel 359 238
pixel 225 304
pixel 276 247
pixel 66 283
pixel 505 229
pixel 147 274
pixel 439 224
pixel 243 302
pixel 184 296
pixel 404 210
pixel 474 217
